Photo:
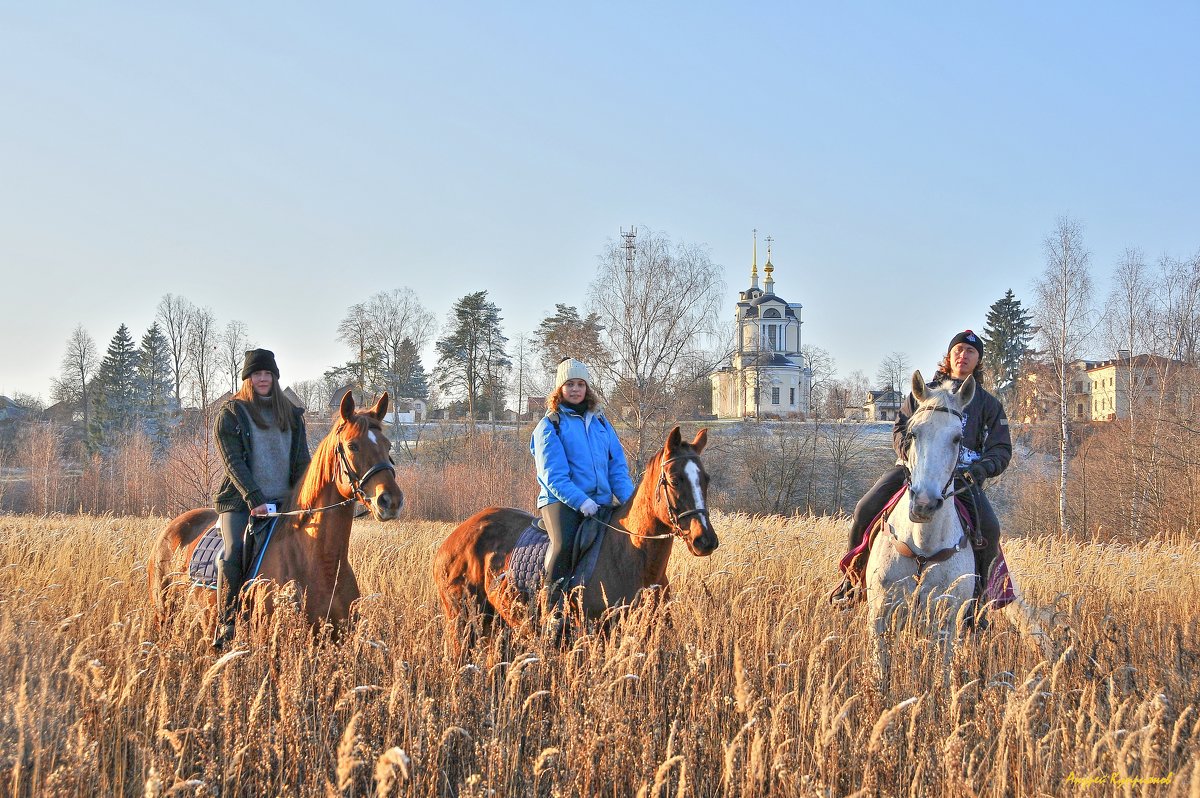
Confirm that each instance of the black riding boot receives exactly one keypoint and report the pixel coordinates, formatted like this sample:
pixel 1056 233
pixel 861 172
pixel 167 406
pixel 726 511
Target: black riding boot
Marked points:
pixel 229 587
pixel 562 526
pixel 868 507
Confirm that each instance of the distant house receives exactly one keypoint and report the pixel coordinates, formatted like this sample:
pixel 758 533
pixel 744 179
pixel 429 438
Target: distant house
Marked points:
pixel 10 410
pixel 1037 393
pixel 63 412
pixel 1125 382
pixel 407 411
pixel 882 405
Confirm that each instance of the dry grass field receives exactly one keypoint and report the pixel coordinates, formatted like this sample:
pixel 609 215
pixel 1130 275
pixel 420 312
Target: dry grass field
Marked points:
pixel 753 686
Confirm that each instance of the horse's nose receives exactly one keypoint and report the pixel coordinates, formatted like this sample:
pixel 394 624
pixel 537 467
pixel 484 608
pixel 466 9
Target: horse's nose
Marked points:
pixel 383 502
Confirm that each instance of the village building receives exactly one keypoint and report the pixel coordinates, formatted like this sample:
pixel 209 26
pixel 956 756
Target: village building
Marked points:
pixel 766 376
pixel 882 405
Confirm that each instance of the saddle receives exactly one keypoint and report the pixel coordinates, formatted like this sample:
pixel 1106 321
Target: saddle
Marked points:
pixel 997 592
pixel 525 565
pixel 202 567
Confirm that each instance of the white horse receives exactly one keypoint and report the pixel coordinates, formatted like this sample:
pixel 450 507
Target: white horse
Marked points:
pixel 922 558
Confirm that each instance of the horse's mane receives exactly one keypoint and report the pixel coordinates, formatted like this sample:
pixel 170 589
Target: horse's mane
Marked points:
pixel 323 468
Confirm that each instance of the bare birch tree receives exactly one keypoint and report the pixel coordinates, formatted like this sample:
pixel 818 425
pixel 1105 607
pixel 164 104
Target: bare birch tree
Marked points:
pixel 233 345
pixel 659 311
pixel 1128 318
pixel 79 365
pixel 1064 317
pixel 203 354
pixel 175 316
pixel 894 372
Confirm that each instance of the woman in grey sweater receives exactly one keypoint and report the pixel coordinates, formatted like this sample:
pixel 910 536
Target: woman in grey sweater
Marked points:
pixel 261 438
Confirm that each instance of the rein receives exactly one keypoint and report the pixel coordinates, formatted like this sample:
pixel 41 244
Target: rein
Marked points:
pixel 673 513
pixel 356 484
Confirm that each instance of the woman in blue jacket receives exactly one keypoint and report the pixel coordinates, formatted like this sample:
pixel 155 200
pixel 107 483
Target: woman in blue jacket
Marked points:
pixel 580 467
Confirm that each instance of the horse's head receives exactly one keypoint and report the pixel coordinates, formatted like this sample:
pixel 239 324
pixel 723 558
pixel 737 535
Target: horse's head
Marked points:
pixel 935 434
pixel 680 499
pixel 364 456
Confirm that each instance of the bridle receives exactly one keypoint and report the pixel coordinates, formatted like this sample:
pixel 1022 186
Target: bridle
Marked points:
pixel 947 489
pixel 357 482
pixel 673 514
pixel 904 549
pixel 674 517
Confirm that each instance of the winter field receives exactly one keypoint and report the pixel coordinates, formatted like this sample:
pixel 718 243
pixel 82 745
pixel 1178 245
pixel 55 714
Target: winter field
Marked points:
pixel 753 687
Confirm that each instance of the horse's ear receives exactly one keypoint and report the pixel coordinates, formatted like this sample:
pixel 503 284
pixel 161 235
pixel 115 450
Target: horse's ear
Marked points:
pixel 701 439
pixel 674 439
pixel 918 386
pixel 966 391
pixel 347 406
pixel 380 408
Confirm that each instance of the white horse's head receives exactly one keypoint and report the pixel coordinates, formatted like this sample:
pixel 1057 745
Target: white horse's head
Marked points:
pixel 935 434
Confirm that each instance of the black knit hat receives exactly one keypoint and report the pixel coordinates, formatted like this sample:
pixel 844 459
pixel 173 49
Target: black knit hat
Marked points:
pixel 969 338
pixel 259 360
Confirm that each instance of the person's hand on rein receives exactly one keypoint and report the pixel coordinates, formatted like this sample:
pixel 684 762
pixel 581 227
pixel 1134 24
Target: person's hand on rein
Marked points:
pixel 589 508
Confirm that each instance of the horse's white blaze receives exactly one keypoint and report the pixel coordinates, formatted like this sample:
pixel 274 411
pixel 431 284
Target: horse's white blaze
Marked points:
pixel 693 473
pixel 371 435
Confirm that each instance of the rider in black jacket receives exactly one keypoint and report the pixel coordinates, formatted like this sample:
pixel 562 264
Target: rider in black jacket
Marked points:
pixel 985 453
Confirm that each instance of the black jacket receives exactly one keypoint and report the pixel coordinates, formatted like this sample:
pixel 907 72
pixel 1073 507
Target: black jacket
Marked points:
pixel 985 430
pixel 239 491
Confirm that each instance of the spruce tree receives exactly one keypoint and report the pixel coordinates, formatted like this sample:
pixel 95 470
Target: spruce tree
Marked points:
pixel 413 381
pixel 116 397
pixel 154 384
pixel 1006 339
pixel 471 358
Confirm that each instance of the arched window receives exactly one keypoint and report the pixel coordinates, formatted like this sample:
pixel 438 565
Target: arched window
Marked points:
pixel 771 313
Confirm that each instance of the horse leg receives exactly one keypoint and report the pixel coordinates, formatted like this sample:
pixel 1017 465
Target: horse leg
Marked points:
pixel 1032 624
pixel 878 621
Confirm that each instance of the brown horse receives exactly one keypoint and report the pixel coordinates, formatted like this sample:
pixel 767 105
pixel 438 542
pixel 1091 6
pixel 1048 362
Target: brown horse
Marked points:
pixel 310 543
pixel 669 503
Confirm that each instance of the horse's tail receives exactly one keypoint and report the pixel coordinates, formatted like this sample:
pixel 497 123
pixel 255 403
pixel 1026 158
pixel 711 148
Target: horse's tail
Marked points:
pixel 180 533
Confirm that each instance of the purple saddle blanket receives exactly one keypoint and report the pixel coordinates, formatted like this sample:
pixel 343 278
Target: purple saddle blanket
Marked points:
pixel 526 563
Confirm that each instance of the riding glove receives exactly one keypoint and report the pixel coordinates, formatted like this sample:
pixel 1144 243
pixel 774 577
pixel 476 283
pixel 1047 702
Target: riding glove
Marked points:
pixel 589 507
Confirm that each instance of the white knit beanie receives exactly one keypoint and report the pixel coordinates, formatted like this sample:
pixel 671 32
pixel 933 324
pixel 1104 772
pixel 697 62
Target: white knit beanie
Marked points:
pixel 571 369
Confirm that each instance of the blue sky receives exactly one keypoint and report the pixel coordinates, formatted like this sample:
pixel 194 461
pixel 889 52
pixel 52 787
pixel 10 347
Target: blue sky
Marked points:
pixel 278 162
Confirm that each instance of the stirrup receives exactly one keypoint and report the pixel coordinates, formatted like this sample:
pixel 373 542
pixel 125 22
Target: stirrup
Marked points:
pixel 845 594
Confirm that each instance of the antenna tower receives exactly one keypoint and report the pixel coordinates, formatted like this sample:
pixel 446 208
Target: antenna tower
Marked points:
pixel 629 237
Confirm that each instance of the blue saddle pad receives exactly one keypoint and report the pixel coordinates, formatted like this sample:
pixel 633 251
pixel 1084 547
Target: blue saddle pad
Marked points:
pixel 526 563
pixel 202 568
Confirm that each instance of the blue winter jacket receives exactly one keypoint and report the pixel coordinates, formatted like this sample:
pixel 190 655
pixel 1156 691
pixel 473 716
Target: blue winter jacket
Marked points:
pixel 582 459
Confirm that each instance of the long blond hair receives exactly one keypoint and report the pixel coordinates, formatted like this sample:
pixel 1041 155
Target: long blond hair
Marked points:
pixel 280 405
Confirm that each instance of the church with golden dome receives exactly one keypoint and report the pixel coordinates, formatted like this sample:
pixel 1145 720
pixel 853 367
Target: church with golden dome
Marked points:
pixel 766 376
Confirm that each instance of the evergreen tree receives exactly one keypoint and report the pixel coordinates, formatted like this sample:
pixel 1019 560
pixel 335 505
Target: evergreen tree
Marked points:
pixel 472 362
pixel 154 384
pixel 412 379
pixel 567 334
pixel 1006 339
pixel 116 394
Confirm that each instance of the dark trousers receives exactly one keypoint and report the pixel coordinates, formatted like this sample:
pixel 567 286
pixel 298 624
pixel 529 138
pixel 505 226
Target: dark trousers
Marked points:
pixel 873 501
pixel 231 570
pixel 562 525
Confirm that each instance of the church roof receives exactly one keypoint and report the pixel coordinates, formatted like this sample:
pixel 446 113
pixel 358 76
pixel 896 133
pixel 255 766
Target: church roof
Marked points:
pixel 780 361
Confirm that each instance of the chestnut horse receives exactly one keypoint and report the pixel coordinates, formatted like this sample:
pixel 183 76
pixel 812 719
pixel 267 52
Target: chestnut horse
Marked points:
pixel 311 539
pixel 669 503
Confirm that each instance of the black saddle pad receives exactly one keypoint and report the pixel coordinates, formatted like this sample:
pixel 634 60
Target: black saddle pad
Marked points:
pixel 527 562
pixel 202 568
